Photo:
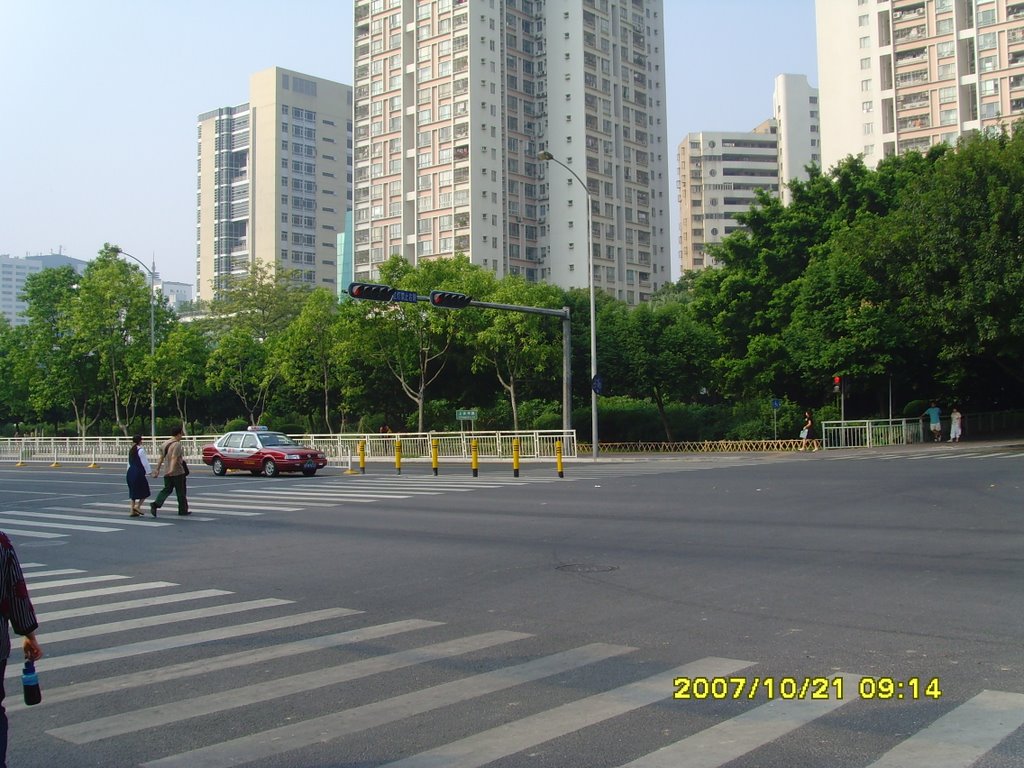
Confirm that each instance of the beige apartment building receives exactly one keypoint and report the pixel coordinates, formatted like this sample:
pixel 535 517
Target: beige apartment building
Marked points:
pixel 454 102
pixel 900 75
pixel 720 173
pixel 273 181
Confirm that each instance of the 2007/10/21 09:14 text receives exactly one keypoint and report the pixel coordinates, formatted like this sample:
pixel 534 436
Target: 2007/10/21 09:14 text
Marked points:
pixel 795 688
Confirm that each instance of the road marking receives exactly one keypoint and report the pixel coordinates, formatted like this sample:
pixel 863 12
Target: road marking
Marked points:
pixel 127 605
pixel 34 534
pixel 959 738
pixel 135 522
pixel 744 733
pixel 183 641
pixel 38 585
pixel 90 593
pixel 163 618
pixel 225 661
pixel 5 520
pixel 278 741
pixel 505 740
pixel 268 690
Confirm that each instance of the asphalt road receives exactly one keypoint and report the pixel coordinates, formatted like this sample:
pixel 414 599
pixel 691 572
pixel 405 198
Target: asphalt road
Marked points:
pixel 664 612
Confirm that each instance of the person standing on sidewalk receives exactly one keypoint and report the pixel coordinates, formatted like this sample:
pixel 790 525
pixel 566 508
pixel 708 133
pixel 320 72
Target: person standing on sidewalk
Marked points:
pixel 177 470
pixel 956 425
pixel 934 414
pixel 16 609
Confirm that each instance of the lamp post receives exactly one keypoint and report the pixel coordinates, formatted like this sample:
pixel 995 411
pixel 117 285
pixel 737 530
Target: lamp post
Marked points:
pixel 547 156
pixel 152 340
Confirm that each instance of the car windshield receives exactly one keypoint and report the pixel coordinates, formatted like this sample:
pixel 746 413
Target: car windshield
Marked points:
pixel 276 438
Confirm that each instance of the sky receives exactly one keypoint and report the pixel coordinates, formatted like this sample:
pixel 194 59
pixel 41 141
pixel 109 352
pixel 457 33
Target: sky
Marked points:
pixel 101 98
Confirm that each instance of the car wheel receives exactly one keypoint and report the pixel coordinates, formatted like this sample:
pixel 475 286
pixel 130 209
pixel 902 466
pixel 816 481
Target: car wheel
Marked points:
pixel 218 467
pixel 309 472
pixel 270 468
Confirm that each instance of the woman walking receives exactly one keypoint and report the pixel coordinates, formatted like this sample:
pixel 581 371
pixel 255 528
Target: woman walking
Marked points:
pixel 138 468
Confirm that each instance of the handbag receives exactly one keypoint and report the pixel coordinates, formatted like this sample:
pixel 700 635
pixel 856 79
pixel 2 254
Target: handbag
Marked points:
pixel 803 434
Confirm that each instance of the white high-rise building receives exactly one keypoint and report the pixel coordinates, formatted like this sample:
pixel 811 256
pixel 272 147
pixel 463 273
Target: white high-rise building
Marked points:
pixel 721 172
pixel 454 102
pixel 899 75
pixel 273 181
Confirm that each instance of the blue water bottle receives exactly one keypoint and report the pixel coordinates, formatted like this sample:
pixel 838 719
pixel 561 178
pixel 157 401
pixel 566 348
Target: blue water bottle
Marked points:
pixel 30 684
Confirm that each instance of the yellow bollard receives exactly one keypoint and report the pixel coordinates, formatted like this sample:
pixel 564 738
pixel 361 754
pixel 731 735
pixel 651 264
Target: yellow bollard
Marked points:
pixel 558 458
pixel 55 462
pixel 515 457
pixel 433 455
pixel 362 457
pixel 398 456
pixel 474 460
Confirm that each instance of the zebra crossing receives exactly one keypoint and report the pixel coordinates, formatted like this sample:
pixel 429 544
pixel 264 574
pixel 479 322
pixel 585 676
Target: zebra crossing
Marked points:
pixel 944 452
pixel 410 669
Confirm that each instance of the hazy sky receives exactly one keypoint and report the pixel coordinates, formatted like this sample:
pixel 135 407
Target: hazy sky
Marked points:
pixel 101 98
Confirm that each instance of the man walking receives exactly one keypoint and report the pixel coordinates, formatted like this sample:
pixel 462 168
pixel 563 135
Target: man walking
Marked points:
pixel 173 454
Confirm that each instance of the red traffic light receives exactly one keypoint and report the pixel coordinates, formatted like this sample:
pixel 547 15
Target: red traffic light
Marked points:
pixel 371 291
pixel 836 379
pixel 450 299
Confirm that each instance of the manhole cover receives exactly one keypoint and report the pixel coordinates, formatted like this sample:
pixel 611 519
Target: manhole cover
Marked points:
pixel 586 568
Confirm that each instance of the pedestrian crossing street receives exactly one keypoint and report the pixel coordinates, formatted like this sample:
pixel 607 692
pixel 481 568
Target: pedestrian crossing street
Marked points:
pixel 210 704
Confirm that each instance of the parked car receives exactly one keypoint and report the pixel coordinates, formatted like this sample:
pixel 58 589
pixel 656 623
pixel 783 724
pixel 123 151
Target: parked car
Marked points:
pixel 261 451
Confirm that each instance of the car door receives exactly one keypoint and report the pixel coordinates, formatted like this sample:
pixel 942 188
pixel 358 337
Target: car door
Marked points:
pixel 250 452
pixel 229 450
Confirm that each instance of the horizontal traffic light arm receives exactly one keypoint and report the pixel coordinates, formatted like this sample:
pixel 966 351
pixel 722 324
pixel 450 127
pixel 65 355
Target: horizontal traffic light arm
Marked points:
pixel 447 299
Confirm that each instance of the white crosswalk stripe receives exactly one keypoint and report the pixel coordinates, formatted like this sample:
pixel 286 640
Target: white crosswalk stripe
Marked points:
pixel 956 737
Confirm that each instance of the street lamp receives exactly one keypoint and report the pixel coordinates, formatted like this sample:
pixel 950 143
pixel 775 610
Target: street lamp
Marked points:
pixel 547 156
pixel 152 340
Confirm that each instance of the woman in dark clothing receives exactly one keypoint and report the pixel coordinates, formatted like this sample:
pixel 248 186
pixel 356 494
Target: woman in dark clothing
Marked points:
pixel 138 469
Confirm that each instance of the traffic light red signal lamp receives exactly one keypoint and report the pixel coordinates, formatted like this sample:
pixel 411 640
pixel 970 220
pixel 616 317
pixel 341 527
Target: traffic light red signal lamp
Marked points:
pixel 450 299
pixel 371 291
pixel 837 384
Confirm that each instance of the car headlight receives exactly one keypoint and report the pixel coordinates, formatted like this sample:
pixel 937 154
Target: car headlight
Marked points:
pixel 292 456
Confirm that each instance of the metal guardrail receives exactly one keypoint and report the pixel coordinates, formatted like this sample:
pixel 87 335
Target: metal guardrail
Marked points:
pixel 870 433
pixel 340 448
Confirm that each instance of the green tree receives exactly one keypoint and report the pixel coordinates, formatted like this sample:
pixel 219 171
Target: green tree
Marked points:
pixel 305 356
pixel 180 366
pixel 263 301
pixel 519 346
pixel 238 365
pixel 412 340
pixel 60 377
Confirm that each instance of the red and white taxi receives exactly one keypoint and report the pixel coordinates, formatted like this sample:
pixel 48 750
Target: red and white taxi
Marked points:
pixel 261 451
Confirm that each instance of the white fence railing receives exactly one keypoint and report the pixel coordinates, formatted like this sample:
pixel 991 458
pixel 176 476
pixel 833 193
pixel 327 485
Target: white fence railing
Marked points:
pixel 868 433
pixel 340 448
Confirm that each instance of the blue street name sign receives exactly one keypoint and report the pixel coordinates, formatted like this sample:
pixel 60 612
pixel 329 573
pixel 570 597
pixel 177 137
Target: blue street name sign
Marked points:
pixel 409 296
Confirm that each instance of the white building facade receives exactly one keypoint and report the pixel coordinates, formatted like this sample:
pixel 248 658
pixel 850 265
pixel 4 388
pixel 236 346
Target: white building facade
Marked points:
pixel 455 100
pixel 273 181
pixel 721 172
pixel 901 75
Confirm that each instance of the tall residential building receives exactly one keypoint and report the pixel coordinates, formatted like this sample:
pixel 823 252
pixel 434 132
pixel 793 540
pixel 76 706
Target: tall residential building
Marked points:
pixel 455 100
pixel 274 181
pixel 720 172
pixel 719 175
pixel 899 75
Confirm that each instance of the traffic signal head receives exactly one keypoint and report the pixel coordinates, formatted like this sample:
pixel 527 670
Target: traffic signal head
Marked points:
pixel 371 291
pixel 450 299
pixel 836 383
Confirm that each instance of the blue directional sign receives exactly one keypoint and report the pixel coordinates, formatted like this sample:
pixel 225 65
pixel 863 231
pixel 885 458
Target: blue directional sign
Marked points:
pixel 597 384
pixel 776 403
pixel 409 296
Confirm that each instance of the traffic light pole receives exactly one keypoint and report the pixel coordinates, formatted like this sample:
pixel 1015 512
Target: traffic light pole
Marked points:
pixel 453 300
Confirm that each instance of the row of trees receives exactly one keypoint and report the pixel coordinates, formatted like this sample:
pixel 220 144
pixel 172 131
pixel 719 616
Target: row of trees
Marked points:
pixel 907 279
